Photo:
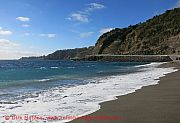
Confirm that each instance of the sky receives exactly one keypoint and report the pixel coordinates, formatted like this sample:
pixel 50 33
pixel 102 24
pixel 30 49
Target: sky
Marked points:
pixel 40 27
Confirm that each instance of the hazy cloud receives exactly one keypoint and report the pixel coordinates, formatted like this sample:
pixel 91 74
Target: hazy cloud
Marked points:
pixel 178 4
pixel 83 16
pixel 94 6
pixel 50 35
pixel 78 17
pixel 85 34
pixel 104 30
pixel 27 34
pixel 23 19
pixel 26 25
pixel 16 54
pixel 4 32
pixel 4 43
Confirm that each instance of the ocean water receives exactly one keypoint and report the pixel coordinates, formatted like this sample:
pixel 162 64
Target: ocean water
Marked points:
pixel 68 88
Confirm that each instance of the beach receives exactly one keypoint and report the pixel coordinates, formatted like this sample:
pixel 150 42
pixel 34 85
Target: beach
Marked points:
pixel 152 104
pixel 108 92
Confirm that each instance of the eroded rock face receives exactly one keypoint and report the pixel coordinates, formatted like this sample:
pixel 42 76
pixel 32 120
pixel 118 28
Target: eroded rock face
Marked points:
pixel 159 35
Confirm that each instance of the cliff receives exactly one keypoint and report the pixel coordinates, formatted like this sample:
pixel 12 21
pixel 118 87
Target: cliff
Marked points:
pixel 157 36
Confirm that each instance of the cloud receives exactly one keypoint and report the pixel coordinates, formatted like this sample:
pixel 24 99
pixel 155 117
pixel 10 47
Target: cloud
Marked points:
pixel 178 4
pixel 94 6
pixel 4 32
pixel 27 34
pixel 85 34
pixel 4 43
pixel 51 35
pixel 78 17
pixel 83 16
pixel 23 19
pixel 26 25
pixel 16 54
pixel 11 50
pixel 104 30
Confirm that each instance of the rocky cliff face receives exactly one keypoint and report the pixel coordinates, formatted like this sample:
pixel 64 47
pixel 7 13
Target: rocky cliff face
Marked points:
pixel 159 35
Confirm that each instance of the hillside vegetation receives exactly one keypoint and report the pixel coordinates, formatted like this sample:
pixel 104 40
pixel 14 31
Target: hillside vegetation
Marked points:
pixel 157 36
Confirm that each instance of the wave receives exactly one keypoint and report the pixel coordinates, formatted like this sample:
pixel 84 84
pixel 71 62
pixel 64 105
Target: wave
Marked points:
pixel 43 80
pixel 153 64
pixel 42 68
pixel 81 100
pixel 54 67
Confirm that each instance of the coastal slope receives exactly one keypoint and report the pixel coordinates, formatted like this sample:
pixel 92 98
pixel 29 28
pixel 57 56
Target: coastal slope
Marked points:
pixel 159 35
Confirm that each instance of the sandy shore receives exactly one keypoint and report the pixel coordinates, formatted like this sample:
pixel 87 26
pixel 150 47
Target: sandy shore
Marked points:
pixel 152 104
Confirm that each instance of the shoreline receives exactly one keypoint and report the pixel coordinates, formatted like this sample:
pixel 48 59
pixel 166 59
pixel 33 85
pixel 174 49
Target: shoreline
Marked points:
pixel 158 103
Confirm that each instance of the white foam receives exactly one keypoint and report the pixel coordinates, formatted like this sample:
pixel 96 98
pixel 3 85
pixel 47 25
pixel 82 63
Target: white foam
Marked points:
pixel 153 64
pixel 54 67
pixel 42 68
pixel 43 80
pixel 85 99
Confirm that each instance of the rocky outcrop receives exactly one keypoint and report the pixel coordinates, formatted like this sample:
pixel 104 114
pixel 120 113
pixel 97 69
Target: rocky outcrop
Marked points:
pixel 157 36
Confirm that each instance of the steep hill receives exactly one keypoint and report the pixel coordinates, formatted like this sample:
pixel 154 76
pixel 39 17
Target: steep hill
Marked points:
pixel 159 35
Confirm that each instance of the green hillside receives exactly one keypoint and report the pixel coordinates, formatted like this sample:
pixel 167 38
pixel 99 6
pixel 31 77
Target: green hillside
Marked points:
pixel 157 36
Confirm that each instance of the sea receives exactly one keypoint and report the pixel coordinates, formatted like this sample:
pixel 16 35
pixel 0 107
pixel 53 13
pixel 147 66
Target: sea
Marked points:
pixel 59 91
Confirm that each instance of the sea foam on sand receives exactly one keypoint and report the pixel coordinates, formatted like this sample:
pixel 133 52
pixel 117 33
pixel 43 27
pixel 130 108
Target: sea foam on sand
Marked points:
pixel 84 99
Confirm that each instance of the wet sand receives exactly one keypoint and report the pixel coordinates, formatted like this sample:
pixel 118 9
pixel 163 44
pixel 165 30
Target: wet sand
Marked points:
pixel 152 104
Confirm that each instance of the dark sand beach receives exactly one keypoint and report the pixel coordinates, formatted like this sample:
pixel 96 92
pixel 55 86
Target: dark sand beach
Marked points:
pixel 152 104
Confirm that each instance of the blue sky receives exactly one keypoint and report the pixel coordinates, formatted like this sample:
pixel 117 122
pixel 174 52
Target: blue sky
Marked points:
pixel 37 27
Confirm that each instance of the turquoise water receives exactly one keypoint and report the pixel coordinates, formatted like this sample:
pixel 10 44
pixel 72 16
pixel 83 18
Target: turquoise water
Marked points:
pixel 69 88
pixel 21 77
